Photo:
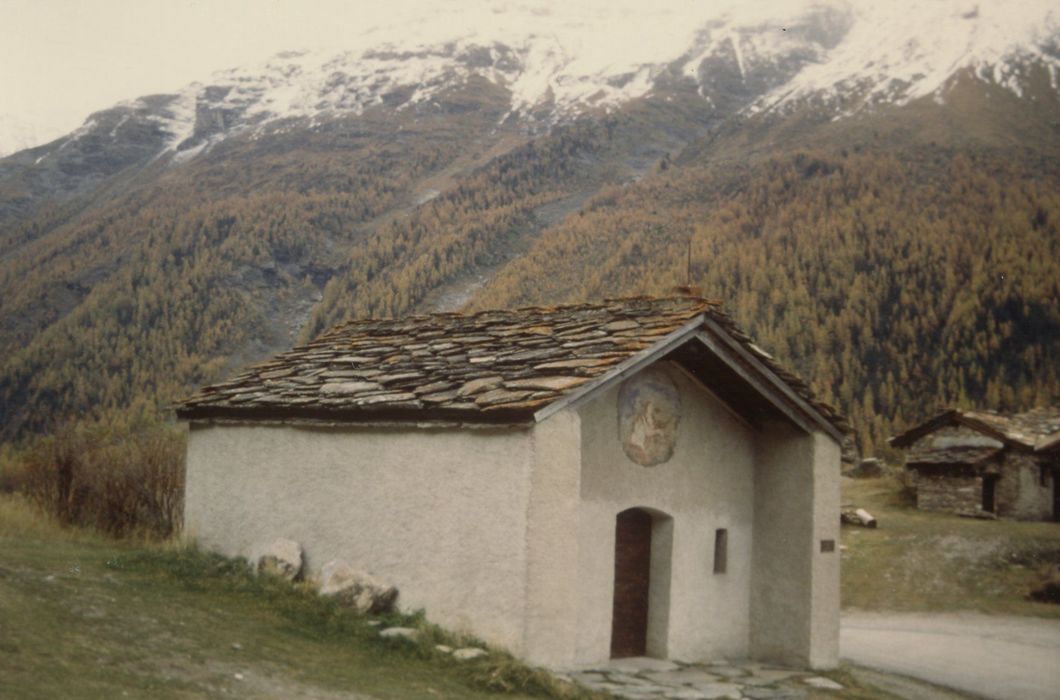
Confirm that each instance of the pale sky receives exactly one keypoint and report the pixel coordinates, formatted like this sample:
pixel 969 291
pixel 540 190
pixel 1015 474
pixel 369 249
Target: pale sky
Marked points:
pixel 60 60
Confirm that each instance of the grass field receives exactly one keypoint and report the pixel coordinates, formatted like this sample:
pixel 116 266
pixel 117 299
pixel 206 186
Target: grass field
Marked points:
pixel 83 616
pixel 87 617
pixel 934 562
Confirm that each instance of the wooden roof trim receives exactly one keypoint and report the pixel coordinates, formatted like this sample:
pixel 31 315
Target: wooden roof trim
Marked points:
pixel 993 432
pixel 725 405
pixel 1049 442
pixel 954 416
pixel 902 440
pixel 623 369
pixel 767 383
pixel 354 416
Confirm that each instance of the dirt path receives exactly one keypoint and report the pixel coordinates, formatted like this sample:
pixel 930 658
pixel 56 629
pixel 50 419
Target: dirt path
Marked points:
pixel 987 656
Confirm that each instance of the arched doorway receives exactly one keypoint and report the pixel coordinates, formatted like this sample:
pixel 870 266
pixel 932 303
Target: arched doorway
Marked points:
pixel 642 577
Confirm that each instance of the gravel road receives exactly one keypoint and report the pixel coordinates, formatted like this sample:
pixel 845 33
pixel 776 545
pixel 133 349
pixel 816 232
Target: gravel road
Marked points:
pixel 990 656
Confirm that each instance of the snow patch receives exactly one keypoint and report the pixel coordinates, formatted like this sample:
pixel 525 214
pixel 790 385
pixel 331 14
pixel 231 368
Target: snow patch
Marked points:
pixel 902 50
pixel 177 117
pixel 557 61
pixel 78 133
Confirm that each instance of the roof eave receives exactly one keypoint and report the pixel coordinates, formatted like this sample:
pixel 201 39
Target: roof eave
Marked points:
pixel 940 420
pixel 353 416
pixel 623 369
pixel 705 330
pixel 1047 443
pixel 954 416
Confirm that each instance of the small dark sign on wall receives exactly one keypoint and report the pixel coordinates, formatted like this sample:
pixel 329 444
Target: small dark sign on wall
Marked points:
pixel 721 551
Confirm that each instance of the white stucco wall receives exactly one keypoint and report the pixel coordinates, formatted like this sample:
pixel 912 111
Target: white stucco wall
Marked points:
pixel 708 483
pixel 795 599
pixel 510 533
pixel 441 514
pixel 824 611
pixel 552 563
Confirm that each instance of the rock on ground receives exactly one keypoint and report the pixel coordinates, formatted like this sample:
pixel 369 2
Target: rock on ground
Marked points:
pixel 868 468
pixel 641 678
pixel 282 558
pixel 400 633
pixel 1049 589
pixel 355 588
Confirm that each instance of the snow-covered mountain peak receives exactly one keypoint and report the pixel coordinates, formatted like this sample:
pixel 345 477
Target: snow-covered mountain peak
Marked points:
pixel 558 62
pixel 905 49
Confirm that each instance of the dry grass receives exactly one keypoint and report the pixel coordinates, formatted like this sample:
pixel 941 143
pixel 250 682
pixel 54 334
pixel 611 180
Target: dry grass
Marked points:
pixel 124 478
pixel 12 470
pixel 932 561
pixel 21 517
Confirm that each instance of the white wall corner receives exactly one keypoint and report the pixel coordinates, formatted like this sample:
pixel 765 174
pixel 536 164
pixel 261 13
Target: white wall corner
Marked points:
pixel 782 593
pixel 552 543
pixel 824 621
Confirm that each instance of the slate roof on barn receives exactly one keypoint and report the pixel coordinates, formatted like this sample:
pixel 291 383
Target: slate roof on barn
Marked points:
pixel 500 366
pixel 947 456
pixel 1037 429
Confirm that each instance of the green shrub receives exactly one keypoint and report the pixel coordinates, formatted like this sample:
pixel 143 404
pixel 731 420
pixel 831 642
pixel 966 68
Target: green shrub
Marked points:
pixel 116 475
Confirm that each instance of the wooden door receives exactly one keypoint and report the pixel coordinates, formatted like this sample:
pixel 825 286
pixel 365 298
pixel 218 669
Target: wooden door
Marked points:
pixel 629 622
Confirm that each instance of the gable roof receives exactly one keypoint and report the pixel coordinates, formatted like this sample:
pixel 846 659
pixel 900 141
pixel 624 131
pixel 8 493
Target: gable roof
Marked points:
pixel 499 366
pixel 1037 429
pixel 954 455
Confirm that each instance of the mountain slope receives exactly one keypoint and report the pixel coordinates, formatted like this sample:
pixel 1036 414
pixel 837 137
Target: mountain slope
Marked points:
pixel 827 193
pixel 876 277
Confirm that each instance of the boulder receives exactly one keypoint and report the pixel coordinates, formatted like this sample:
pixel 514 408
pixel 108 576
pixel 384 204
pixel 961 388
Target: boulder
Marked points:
pixel 1048 591
pixel 822 683
pixel 355 588
pixel 850 515
pixel 468 653
pixel 400 633
pixel 282 558
pixel 848 451
pixel 869 468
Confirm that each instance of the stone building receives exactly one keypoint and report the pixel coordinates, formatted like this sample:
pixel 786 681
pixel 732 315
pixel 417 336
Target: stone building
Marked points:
pixel 574 483
pixel 985 462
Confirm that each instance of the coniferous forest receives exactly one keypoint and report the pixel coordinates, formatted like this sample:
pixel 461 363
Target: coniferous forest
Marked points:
pixel 898 275
pixel 897 288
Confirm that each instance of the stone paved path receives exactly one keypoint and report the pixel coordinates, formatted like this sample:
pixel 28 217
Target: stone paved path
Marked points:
pixel 642 678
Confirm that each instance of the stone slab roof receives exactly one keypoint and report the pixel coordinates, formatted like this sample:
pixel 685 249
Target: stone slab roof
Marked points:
pixel 953 455
pixel 1036 429
pixel 493 366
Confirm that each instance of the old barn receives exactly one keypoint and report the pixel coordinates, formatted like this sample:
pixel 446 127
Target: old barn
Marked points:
pixel 986 462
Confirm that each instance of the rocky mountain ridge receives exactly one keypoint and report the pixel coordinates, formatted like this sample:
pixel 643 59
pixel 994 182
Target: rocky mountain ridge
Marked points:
pixel 771 55
pixel 176 237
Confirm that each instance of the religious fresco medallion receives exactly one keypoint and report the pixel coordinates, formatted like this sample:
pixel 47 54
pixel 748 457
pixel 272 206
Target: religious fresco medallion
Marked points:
pixel 649 409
